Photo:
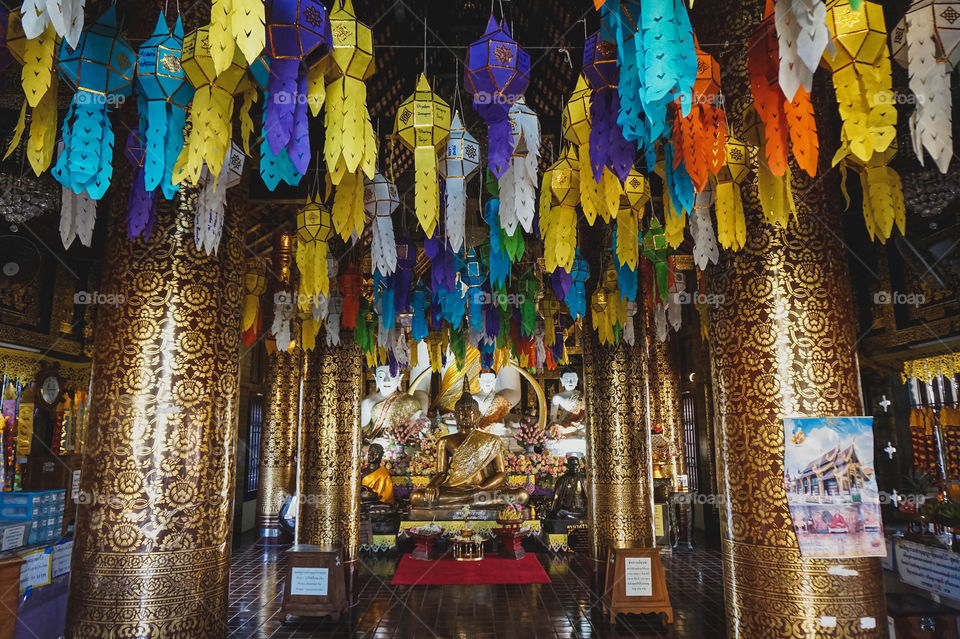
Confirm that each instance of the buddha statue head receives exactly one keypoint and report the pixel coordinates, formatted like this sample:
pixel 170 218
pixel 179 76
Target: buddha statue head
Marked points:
pixel 374 456
pixel 569 379
pixel 467 410
pixel 573 464
pixel 487 381
pixel 387 384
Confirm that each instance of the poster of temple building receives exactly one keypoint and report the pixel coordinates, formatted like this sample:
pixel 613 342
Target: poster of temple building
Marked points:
pixel 831 486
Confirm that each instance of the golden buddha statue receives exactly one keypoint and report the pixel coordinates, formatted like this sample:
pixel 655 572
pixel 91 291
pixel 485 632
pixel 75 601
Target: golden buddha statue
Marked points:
pixel 471 465
pixel 389 406
pixel 376 486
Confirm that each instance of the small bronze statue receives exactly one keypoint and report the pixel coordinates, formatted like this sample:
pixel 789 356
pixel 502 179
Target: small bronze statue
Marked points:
pixel 376 486
pixel 569 496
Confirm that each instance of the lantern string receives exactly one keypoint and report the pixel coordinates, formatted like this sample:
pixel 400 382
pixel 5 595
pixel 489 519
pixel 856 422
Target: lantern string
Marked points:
pixel 424 41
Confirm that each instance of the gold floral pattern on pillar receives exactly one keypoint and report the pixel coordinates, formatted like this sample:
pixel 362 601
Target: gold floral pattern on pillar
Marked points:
pixel 152 550
pixel 330 445
pixel 665 411
pixel 278 439
pixel 620 499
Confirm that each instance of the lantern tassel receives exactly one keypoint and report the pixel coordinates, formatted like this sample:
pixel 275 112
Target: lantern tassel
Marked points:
pixel 141 208
pixel 427 187
pixel 279 109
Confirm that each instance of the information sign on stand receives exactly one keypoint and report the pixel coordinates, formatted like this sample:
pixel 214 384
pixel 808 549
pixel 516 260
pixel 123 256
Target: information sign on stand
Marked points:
pixel 315 585
pixel 635 583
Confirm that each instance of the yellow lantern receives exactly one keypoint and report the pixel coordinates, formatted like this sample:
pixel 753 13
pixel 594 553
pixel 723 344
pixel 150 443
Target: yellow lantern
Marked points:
pixel 39 83
pixel 559 195
pixel 731 225
pixel 636 194
pixel 314 230
pixel 423 124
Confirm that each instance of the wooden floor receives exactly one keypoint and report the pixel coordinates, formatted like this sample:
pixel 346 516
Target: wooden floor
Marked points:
pixel 565 608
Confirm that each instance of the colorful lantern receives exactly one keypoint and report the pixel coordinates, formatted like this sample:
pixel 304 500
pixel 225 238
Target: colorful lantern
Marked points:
pixel 497 73
pixel 595 197
pixel 705 250
pixel 236 29
pixel 699 137
pixel 40 89
pixel 731 224
pixel 423 124
pixel 100 70
pixel 559 196
pixel 608 147
pixel 141 203
pixel 802 36
pixel 65 16
pixel 928 45
pixel 298 36
pixel 314 229
pixel 208 219
pixel 254 285
pixel 380 200
pixel 211 111
pixel 166 93
pixel 519 182
pixel 460 161
pixel 635 197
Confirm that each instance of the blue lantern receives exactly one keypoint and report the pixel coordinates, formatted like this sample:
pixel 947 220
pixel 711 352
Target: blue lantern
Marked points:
pixel 100 69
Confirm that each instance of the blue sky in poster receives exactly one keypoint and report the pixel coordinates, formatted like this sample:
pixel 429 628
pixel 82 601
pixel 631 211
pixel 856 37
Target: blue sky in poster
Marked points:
pixel 823 434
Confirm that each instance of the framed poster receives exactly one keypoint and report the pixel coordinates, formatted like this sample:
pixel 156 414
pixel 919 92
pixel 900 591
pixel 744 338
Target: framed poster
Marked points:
pixel 831 486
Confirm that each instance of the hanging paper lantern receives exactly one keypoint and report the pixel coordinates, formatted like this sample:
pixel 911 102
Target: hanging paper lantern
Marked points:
pixel 474 278
pixel 519 182
pixel 497 73
pixel 40 89
pixel 236 29
pixel 423 124
pixel 699 137
pixel 380 200
pixel 576 298
pixel 927 44
pixel 608 309
pixel 559 195
pixel 208 219
pixel 774 191
pixel 608 147
pixel 731 224
pixel 65 16
pixel 166 92
pixel 460 161
pixel 657 252
pixel 314 230
pixel 298 36
pixel 782 116
pixel 211 111
pixel 705 250
pixel 254 285
pixel 802 36
pixel 635 197
pixel 595 197
pixel 100 70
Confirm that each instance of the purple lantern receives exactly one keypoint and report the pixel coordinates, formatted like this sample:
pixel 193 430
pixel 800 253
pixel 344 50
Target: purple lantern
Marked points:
pixel 608 147
pixel 497 74
pixel 298 38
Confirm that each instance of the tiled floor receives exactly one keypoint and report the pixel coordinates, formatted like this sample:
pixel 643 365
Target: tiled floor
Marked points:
pixel 563 609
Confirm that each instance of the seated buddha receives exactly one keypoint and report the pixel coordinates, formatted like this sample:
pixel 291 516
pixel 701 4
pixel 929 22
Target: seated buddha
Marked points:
pixel 471 465
pixel 567 409
pixel 376 486
pixel 389 406
pixel 494 405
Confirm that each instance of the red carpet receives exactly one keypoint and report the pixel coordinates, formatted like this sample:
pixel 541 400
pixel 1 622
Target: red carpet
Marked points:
pixel 448 571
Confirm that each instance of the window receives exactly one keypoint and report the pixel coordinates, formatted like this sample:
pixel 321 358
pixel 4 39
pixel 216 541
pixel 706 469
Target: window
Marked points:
pixel 253 446
pixel 689 416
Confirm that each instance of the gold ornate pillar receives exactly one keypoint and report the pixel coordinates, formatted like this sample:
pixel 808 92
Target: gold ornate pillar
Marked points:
pixel 152 546
pixel 278 443
pixel 330 447
pixel 665 409
pixel 619 482
pixel 783 342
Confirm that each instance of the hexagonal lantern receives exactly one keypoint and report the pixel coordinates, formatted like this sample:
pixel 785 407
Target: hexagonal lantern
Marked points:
pixel 858 35
pixel 298 30
pixel 423 119
pixel 600 63
pixel 636 192
pixel 706 87
pixel 103 61
pixel 945 18
pixel 380 198
pixel 565 179
pixel 461 156
pixel 576 114
pixel 352 53
pixel 159 69
pixel 198 65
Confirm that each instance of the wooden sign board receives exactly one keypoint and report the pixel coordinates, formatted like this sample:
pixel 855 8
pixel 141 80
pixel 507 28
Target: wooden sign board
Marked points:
pixel 635 583
pixel 315 584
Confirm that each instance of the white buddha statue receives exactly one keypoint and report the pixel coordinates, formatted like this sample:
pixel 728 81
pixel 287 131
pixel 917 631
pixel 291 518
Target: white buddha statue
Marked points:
pixel 389 405
pixel 567 428
pixel 495 405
